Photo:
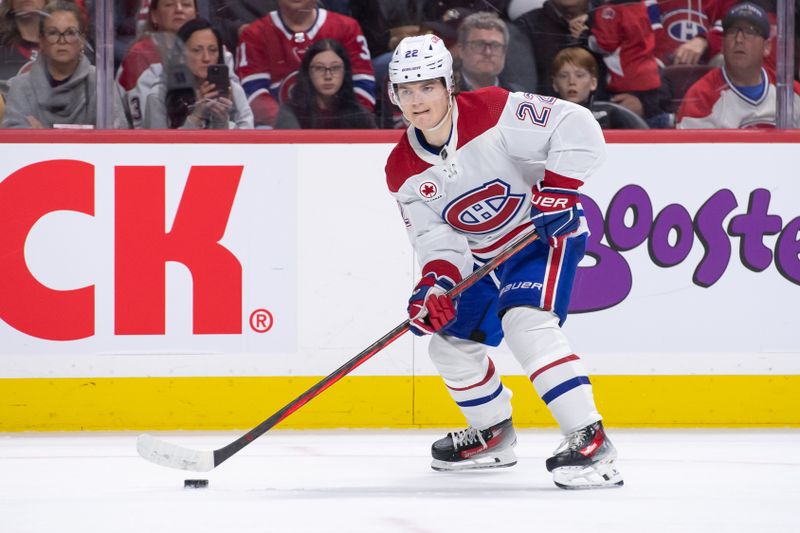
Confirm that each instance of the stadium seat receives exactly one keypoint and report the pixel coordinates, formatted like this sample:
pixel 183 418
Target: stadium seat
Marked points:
pixel 620 117
pixel 680 78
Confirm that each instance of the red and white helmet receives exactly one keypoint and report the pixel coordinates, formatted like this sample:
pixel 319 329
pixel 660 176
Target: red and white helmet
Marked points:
pixel 420 58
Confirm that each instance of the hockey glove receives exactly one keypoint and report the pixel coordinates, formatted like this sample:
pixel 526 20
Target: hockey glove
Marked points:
pixel 554 208
pixel 429 308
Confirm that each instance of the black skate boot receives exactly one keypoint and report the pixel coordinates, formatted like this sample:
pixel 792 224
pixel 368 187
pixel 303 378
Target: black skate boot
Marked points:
pixel 585 460
pixel 471 448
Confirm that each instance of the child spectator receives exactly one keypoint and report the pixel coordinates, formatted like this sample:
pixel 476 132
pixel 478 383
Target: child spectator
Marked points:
pixel 323 97
pixel 203 106
pixel 575 76
pixel 59 88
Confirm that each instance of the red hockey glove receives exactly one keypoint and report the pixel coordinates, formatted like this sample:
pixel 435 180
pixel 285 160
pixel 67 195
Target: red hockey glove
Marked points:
pixel 429 308
pixel 554 209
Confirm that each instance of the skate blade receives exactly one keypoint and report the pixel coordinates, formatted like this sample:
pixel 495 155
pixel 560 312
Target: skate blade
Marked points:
pixel 602 476
pixel 497 460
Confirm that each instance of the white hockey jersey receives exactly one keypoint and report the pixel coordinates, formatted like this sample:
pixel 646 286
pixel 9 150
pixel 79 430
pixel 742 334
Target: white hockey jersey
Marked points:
pixel 473 196
pixel 715 102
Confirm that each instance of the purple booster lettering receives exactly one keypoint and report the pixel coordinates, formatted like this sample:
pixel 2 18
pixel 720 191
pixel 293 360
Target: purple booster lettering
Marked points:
pixel 607 282
pixel 787 252
pixel 751 227
pixel 710 231
pixel 620 236
pixel 675 217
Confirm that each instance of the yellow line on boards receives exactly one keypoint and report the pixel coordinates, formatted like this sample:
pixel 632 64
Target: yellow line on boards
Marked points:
pixel 207 403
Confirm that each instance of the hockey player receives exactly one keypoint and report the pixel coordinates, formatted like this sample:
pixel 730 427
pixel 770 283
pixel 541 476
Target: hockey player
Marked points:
pixel 473 172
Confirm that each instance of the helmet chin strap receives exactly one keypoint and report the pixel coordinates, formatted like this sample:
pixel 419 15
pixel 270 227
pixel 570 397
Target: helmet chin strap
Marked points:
pixel 445 117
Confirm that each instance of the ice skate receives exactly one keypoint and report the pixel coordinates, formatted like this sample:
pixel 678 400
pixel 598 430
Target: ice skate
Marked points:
pixel 471 449
pixel 585 460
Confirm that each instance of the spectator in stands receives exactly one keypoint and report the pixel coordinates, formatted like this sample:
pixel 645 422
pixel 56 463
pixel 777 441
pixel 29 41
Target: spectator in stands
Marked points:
pixel 142 67
pixel 716 37
pixel 323 97
pixel 272 48
pixel 482 46
pixel 556 25
pixel 59 89
pixel 198 104
pixel 621 33
pixel 19 36
pixel 682 29
pixel 741 93
pixel 575 76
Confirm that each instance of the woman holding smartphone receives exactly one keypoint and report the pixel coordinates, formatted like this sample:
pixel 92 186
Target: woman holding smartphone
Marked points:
pixel 196 91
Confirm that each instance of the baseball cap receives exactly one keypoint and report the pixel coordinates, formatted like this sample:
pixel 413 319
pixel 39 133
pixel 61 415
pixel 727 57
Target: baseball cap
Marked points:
pixel 748 12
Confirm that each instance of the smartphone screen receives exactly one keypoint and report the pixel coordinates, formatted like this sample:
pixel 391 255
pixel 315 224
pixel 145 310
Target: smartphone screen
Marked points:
pixel 218 75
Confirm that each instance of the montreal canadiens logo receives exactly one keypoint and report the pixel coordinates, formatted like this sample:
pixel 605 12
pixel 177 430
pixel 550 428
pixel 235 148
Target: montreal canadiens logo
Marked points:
pixel 484 209
pixel 428 190
pixel 682 28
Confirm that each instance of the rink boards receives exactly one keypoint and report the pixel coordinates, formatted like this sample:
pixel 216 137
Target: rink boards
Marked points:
pixel 205 280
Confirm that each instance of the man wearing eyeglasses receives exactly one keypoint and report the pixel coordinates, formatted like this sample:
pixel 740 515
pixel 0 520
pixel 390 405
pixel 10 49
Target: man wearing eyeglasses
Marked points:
pixel 741 93
pixel 482 45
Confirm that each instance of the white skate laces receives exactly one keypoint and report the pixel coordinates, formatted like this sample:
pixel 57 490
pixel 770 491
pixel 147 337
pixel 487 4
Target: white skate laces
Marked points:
pixel 585 459
pixel 466 437
pixel 472 448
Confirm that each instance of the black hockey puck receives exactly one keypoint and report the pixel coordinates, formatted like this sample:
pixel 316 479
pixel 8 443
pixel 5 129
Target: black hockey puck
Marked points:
pixel 195 483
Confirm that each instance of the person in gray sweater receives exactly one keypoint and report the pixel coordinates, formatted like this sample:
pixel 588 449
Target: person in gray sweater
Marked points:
pixel 186 97
pixel 59 89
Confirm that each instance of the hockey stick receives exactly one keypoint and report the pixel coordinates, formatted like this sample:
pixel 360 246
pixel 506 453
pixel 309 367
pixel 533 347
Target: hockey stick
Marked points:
pixel 174 456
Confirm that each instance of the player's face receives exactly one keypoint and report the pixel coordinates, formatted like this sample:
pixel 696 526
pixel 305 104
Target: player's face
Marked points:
pixel 483 53
pixel 743 47
pixel 170 15
pixel 424 103
pixel 327 72
pixel 61 39
pixel 201 51
pixel 574 83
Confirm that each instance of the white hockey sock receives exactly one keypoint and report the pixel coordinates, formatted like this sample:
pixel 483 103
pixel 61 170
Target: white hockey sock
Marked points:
pixel 557 374
pixel 472 380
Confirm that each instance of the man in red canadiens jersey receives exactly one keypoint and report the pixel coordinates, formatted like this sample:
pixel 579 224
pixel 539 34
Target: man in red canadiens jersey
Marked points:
pixel 271 49
pixel 473 172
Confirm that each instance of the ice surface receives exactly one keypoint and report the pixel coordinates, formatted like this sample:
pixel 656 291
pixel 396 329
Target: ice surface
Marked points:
pixel 380 481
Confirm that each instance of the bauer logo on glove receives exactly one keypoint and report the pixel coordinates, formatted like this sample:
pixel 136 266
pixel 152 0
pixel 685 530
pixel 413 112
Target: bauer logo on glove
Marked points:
pixel 554 208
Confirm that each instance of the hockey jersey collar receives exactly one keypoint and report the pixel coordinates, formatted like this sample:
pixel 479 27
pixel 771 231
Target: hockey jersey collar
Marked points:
pixel 428 153
pixel 277 20
pixel 762 94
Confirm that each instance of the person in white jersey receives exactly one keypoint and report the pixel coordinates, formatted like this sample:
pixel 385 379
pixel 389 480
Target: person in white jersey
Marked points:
pixel 472 172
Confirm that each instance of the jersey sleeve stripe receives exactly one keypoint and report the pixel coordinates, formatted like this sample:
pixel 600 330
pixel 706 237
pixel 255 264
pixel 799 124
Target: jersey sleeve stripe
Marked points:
pixel 256 94
pixel 253 86
pixel 364 93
